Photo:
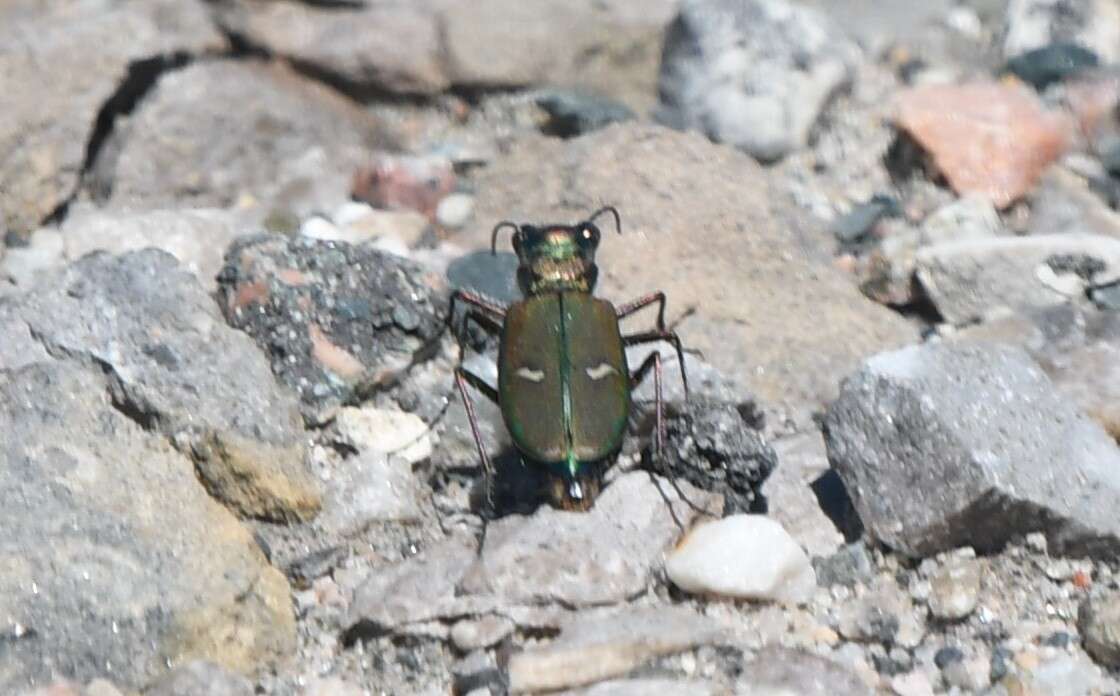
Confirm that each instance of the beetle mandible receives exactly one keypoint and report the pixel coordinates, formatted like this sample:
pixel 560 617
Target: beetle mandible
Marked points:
pixel 564 385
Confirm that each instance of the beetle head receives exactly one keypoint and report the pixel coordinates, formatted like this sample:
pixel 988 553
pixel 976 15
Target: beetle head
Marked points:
pixel 556 257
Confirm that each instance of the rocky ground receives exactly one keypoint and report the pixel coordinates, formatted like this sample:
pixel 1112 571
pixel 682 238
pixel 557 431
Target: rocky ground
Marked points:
pixel 233 459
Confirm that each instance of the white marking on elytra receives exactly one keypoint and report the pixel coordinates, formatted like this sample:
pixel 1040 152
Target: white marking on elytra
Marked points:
pixel 530 374
pixel 601 370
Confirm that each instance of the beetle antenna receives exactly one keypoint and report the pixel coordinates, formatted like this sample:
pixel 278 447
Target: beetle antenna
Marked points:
pixel 496 230
pixel 613 211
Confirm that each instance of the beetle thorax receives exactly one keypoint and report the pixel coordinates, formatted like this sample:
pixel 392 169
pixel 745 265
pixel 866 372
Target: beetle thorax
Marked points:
pixel 558 275
pixel 555 262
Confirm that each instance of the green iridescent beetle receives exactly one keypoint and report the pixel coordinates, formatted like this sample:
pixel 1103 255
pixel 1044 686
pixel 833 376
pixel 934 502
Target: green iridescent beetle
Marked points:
pixel 564 385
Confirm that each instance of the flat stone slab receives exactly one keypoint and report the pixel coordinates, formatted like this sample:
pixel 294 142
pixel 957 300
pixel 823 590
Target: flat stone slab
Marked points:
pixel 602 556
pixel 975 278
pixel 608 645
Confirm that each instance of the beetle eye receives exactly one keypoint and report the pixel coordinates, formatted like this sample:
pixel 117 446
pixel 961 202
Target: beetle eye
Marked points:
pixel 589 235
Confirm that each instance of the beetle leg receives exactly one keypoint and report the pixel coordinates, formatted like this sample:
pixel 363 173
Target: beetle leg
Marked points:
pixel 653 361
pixel 667 336
pixel 485 321
pixel 495 310
pixel 462 378
pixel 645 301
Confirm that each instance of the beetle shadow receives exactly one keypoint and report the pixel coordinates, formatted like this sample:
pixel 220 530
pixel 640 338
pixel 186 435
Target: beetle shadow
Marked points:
pixel 515 489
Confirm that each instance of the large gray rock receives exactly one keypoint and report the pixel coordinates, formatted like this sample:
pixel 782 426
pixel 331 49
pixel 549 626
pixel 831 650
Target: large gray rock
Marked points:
pixel 702 223
pixel 62 61
pixel 116 561
pixel 221 133
pixel 751 73
pixel 602 556
pixel 1078 348
pixel 174 367
pixel 943 446
pixel 428 46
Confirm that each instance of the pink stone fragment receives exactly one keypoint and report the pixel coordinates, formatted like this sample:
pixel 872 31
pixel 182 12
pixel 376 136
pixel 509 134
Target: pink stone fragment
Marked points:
pixel 404 183
pixel 987 138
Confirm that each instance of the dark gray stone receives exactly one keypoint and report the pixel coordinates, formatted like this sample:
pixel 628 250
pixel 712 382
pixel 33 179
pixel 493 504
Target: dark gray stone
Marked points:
pixel 857 223
pixel 718 447
pixel 850 565
pixel 1055 62
pixel 493 275
pixel 751 73
pixel 115 559
pixel 946 656
pixel 942 446
pixel 478 670
pixel 1110 157
pixel 338 321
pixel 174 367
pixel 575 112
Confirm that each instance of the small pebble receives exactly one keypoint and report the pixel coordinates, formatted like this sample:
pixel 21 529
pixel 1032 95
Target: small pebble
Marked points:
pixel 1044 66
pixel 1057 639
pixel 742 556
pixel 475 634
pixel 955 590
pixel 1000 663
pixel 383 430
pixel 1036 541
pixel 455 210
pixel 319 228
pixel 947 656
pixel 1106 297
pixel 1098 620
pixel 860 220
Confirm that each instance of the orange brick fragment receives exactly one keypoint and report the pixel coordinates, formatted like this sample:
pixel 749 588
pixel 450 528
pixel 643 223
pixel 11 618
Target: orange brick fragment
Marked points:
pixel 987 138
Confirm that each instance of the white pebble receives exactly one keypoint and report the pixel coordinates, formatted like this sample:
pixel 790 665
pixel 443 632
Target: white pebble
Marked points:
pixel 455 210
pixel 319 228
pixel 383 430
pixel 742 556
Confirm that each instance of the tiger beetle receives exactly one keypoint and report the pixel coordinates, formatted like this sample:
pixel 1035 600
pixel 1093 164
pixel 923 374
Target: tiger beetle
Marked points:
pixel 564 385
